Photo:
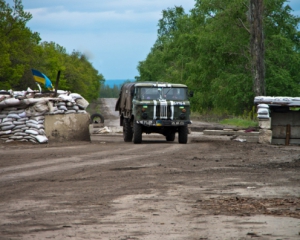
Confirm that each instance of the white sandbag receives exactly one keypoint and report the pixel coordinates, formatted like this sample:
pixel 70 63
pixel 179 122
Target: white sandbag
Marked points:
pixel 62 108
pixel 16 137
pixel 32 125
pixel 70 111
pixel 18 122
pixel 41 132
pixel 33 132
pixel 66 98
pixel 7 119
pixel 14 131
pixel 13 115
pixel 82 103
pixel 12 102
pixel 75 108
pixel 22 114
pixel 60 104
pixel 75 95
pixel 19 126
pixel 22 140
pixel 41 138
pixel 5 132
pixel 22 119
pixel 32 121
pixel 25 128
pixel 3 128
pixel 9 140
pixel 20 134
pixel 41 106
pixel 32 140
pixel 41 121
pixel 29 137
pixel 6 123
pixel 3 116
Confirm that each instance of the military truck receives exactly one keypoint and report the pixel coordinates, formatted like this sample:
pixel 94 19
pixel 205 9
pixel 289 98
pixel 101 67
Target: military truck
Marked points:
pixel 154 107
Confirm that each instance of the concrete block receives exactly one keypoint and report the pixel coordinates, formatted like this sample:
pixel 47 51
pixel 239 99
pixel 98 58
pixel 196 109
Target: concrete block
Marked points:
pixel 265 124
pixel 67 127
pixel 265 136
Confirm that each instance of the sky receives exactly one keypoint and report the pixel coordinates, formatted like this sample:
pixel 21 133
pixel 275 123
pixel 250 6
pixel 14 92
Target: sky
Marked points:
pixel 114 34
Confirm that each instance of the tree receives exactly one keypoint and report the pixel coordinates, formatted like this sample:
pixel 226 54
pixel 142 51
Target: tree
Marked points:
pixel 257 46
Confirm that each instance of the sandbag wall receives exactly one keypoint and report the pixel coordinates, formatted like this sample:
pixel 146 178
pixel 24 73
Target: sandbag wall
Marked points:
pixel 22 113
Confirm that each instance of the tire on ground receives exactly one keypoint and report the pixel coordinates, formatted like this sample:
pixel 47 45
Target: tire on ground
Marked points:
pixel 97 116
pixel 137 133
pixel 183 134
pixel 127 130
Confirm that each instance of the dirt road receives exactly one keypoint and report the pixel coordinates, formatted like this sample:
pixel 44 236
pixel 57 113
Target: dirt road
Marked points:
pixel 206 189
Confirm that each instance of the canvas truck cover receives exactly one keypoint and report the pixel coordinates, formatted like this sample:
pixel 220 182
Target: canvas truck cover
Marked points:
pixel 125 97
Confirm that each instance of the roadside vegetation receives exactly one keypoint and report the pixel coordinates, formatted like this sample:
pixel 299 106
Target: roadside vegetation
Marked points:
pixel 22 50
pixel 209 49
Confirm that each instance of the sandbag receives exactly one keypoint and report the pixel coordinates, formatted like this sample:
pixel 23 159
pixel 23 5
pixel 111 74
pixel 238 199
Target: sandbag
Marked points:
pixel 16 137
pixel 12 102
pixel 82 103
pixel 41 106
pixel 18 122
pixel 19 126
pixel 20 134
pixel 33 132
pixel 41 138
pixel 63 108
pixel 75 95
pixel 5 132
pixel 13 115
pixel 8 127
pixel 5 123
pixel 7 119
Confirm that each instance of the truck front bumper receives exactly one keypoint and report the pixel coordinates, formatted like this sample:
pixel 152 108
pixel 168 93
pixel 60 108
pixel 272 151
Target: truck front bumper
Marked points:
pixel 164 123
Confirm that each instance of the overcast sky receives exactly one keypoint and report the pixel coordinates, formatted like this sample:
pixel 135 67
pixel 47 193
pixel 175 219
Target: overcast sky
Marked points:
pixel 114 34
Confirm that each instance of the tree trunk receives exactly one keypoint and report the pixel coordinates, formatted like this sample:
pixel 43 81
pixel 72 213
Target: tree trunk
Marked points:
pixel 257 46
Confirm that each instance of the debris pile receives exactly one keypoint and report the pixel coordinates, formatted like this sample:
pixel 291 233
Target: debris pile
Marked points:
pixel 22 113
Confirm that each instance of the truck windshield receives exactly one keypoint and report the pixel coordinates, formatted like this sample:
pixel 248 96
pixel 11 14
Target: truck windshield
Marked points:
pixel 167 93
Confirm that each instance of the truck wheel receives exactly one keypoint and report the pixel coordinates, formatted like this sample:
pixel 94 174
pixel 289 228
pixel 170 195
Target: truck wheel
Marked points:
pixel 170 137
pixel 97 118
pixel 127 130
pixel 182 134
pixel 137 133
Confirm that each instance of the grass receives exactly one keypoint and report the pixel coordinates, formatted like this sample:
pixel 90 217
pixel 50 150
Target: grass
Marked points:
pixel 225 120
pixel 239 122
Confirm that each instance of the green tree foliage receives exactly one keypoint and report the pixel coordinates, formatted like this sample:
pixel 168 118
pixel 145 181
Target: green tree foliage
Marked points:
pixel 209 50
pixel 21 50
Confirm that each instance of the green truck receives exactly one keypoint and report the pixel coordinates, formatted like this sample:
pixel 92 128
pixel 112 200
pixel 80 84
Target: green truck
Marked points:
pixel 154 107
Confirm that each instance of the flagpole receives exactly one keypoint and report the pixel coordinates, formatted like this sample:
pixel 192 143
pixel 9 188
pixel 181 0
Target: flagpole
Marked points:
pixel 56 83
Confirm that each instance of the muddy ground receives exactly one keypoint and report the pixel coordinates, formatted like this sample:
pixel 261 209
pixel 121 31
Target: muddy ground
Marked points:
pixel 210 188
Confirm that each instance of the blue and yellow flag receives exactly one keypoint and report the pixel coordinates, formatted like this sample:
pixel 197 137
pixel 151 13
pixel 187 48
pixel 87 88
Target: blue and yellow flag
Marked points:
pixel 42 78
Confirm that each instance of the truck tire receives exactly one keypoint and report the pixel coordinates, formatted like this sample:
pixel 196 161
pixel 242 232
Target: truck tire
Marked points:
pixel 137 133
pixel 97 117
pixel 182 134
pixel 127 130
pixel 170 137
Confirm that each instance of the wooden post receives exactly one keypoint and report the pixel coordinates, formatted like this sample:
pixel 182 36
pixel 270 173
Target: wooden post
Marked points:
pixel 288 134
pixel 56 83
